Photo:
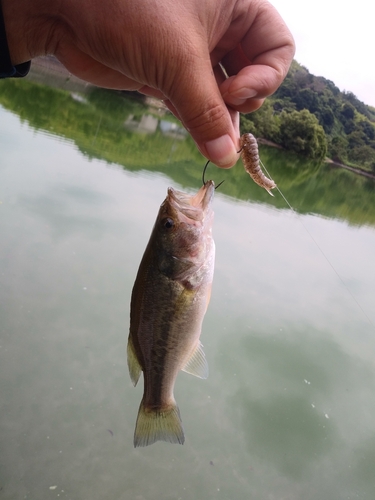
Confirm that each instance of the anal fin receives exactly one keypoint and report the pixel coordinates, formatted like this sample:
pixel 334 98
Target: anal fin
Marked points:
pixel 197 364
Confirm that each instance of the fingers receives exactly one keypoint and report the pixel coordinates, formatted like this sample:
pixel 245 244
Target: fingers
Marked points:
pixel 247 90
pixel 253 45
pixel 212 125
pixel 90 70
pixel 217 150
pixel 195 98
pixel 260 62
pixel 256 68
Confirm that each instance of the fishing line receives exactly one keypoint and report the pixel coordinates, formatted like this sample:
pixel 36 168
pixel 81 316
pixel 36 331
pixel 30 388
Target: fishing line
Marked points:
pixel 277 187
pixel 320 249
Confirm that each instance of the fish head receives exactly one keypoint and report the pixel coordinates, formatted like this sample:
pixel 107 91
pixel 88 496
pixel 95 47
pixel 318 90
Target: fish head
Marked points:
pixel 183 231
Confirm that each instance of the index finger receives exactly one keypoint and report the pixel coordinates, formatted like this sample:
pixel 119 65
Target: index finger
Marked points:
pixel 259 63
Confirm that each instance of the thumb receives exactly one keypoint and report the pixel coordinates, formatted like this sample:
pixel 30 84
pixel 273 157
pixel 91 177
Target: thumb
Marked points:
pixel 195 98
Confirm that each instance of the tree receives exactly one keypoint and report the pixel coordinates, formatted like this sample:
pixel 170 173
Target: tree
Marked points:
pixel 368 130
pixel 362 155
pixel 300 131
pixel 356 139
pixel 338 148
pixel 346 117
pixel 264 122
pixel 307 99
pixel 326 118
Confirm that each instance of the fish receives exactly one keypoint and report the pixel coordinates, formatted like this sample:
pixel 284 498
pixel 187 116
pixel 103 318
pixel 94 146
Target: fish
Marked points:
pixel 250 158
pixel 169 299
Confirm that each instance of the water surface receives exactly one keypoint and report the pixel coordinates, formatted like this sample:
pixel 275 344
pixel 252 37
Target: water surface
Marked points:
pixel 288 409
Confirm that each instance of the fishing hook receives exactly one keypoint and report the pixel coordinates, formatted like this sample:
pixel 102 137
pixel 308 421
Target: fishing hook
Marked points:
pixel 204 171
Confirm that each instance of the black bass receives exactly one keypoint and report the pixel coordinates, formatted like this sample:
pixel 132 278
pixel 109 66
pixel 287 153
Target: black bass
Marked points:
pixel 169 300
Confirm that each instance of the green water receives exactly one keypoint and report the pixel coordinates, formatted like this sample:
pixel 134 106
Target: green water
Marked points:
pixel 288 409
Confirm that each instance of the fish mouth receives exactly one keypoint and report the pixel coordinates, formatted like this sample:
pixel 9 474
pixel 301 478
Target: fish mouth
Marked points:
pixel 192 207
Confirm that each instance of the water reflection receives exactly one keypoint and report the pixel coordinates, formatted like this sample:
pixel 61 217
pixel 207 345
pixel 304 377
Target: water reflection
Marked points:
pixel 282 416
pixel 130 132
pixel 149 124
pixel 287 411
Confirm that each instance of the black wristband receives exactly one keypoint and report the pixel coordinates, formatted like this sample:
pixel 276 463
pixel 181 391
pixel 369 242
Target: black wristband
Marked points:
pixel 6 67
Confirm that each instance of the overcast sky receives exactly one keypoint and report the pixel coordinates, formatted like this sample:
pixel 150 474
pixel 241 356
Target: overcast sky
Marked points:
pixel 335 39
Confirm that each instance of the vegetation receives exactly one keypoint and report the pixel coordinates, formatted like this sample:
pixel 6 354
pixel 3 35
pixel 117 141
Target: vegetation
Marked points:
pixel 311 116
pixel 95 124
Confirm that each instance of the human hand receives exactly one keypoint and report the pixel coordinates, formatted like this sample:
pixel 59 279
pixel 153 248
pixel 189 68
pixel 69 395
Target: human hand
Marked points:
pixel 171 49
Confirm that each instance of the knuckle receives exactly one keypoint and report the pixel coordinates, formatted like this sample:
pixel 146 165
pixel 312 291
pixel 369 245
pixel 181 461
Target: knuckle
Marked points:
pixel 206 117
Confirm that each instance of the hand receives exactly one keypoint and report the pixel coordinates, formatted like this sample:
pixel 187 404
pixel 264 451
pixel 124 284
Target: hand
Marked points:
pixel 170 49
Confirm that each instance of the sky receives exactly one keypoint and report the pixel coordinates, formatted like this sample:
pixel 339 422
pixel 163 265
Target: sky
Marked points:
pixel 335 39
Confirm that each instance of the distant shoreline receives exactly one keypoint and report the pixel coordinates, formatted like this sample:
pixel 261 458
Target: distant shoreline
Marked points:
pixel 49 64
pixel 356 170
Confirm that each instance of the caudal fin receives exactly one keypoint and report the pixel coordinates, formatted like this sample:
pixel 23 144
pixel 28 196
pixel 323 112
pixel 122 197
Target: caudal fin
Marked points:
pixel 158 425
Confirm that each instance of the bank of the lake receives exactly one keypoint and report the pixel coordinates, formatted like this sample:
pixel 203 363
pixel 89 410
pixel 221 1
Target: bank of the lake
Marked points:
pixel 287 410
pixel 49 69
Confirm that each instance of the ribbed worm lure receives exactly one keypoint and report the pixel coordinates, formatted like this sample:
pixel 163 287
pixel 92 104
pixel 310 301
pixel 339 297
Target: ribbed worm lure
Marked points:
pixel 250 157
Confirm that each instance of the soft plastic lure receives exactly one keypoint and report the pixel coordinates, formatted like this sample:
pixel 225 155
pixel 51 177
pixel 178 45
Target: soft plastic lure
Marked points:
pixel 250 157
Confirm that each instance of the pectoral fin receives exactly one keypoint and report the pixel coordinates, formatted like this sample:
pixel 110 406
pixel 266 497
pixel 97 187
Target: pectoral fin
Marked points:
pixel 197 364
pixel 133 363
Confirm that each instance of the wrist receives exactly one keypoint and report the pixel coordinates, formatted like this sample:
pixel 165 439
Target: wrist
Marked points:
pixel 7 67
pixel 12 14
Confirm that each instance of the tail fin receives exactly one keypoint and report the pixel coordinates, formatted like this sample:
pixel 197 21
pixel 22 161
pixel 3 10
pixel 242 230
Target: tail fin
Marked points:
pixel 158 425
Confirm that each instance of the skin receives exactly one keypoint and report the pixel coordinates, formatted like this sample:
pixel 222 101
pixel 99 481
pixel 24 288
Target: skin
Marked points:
pixel 170 49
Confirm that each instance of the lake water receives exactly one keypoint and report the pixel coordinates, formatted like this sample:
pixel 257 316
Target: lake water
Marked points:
pixel 288 411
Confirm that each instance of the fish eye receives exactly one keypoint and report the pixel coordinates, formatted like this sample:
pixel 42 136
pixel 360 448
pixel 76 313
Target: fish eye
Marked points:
pixel 168 223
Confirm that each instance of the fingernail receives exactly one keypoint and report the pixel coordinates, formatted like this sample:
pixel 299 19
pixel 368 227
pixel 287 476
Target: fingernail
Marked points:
pixel 221 151
pixel 239 97
pixel 244 93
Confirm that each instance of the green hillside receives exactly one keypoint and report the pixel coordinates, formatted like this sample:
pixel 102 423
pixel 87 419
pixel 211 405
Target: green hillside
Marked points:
pixel 310 115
